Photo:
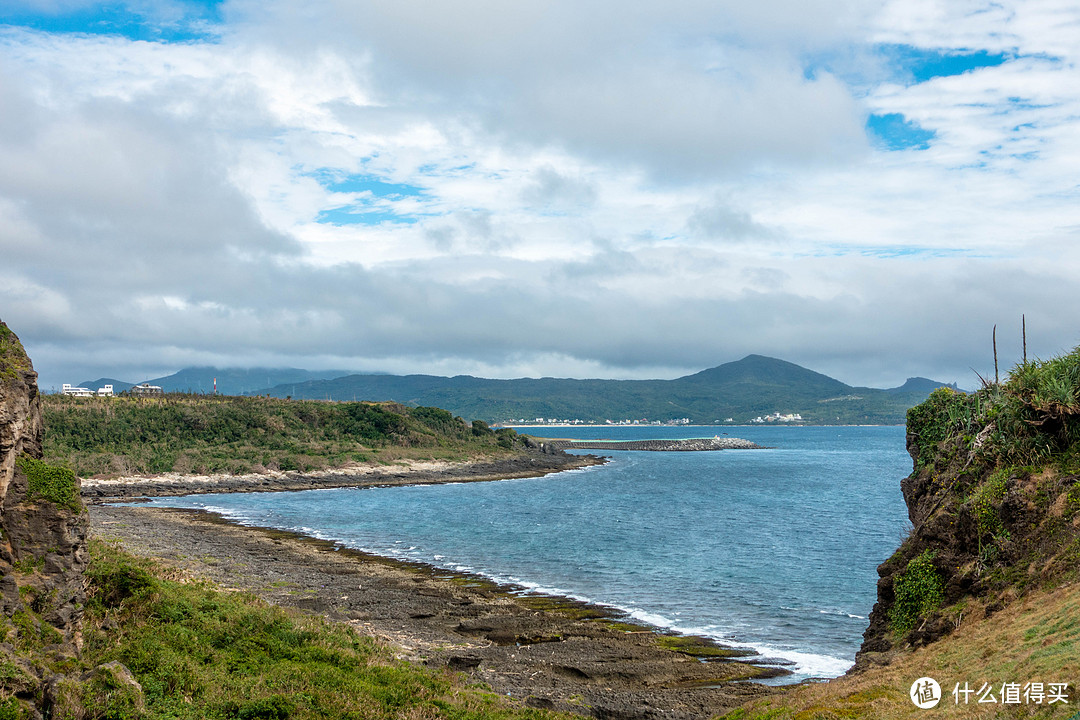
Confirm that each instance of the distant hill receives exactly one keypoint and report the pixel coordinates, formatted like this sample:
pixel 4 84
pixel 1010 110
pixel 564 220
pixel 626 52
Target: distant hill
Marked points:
pixel 919 385
pixel 119 386
pixel 740 390
pixel 230 381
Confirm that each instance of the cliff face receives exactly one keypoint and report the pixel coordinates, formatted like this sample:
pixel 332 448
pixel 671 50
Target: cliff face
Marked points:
pixel 43 535
pixel 994 501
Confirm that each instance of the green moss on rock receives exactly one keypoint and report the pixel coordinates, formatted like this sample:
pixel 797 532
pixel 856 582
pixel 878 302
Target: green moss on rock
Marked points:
pixel 919 591
pixel 51 483
pixel 12 356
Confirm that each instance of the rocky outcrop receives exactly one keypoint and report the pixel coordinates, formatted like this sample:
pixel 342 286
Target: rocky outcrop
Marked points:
pixel 994 502
pixel 533 464
pixel 43 540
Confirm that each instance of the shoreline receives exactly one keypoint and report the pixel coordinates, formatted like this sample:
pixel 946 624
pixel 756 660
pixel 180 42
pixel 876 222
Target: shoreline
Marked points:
pixel 551 652
pixel 405 472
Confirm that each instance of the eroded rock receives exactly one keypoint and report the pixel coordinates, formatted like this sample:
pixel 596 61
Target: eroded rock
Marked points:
pixel 43 541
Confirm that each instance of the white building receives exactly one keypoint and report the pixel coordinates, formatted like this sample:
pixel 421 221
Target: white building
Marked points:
pixel 76 391
pixel 106 391
pixel 146 389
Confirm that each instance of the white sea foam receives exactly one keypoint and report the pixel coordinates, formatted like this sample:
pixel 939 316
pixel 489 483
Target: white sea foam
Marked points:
pixel 841 613
pixel 806 664
pixel 650 618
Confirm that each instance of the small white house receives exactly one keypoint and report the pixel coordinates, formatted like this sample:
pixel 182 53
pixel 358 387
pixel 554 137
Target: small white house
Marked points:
pixel 106 391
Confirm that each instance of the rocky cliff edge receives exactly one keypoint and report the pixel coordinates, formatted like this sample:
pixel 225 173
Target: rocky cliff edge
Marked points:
pixel 994 502
pixel 43 546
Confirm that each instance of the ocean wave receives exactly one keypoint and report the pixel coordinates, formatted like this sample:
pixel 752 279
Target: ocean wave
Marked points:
pixel 807 665
pixel 841 613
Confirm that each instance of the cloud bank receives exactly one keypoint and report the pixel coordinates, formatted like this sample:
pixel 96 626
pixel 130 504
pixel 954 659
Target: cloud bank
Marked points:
pixel 575 189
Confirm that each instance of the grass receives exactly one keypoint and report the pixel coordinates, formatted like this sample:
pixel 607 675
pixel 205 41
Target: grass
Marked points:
pixel 201 653
pixel 697 647
pixel 1031 418
pixel 233 435
pixel 1034 640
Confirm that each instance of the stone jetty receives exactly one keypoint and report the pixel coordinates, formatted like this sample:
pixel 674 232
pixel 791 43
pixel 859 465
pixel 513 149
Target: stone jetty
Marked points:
pixel 687 445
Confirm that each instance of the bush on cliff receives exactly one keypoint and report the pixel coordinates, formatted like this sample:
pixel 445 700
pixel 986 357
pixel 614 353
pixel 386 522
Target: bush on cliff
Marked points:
pixel 12 356
pixel 1030 419
pixel 52 483
pixel 918 592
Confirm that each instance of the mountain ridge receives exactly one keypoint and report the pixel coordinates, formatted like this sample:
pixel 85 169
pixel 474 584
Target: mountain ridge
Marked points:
pixel 756 385
pixel 741 390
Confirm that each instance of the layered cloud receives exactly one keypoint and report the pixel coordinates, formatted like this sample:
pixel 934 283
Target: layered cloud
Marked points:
pixel 596 188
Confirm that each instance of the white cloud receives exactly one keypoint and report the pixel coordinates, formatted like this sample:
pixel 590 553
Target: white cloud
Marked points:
pixel 601 189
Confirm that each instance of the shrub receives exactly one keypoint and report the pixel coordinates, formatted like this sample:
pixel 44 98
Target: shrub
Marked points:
pixel 1031 417
pixel 986 500
pixel 944 414
pixel 12 356
pixel 52 483
pixel 197 433
pixel 918 591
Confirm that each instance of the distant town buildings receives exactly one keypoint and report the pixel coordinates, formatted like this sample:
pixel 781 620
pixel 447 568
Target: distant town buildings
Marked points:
pixel 560 422
pixel 777 417
pixel 72 391
pixel 108 391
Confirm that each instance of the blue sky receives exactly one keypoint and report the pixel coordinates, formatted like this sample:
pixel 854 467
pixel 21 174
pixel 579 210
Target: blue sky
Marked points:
pixel 177 21
pixel 863 188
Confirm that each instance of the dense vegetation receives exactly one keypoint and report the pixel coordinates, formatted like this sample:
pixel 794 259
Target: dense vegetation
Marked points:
pixel 197 653
pixel 1030 419
pixel 55 484
pixel 205 433
pixel 12 356
pixel 739 390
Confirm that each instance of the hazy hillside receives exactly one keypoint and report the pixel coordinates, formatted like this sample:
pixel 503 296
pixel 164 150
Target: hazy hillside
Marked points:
pixel 741 390
pixel 230 381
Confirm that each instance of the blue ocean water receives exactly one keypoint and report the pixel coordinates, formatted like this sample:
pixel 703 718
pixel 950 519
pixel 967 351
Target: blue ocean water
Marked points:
pixel 774 550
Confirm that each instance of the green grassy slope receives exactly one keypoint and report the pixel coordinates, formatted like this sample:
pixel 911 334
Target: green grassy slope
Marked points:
pixel 200 653
pixel 204 434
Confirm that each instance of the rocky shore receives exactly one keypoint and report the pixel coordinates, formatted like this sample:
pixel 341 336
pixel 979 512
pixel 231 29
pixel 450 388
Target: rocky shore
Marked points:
pixel 403 473
pixel 548 652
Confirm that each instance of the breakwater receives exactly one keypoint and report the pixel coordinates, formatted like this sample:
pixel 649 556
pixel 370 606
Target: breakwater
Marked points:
pixel 687 445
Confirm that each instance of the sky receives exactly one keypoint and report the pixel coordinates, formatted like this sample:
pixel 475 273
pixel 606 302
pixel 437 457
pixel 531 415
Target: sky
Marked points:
pixel 574 188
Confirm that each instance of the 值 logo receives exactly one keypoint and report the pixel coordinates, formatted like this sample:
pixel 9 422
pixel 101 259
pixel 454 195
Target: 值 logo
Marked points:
pixel 925 693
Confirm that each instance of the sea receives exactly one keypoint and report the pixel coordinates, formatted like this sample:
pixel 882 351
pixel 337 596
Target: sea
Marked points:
pixel 771 550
